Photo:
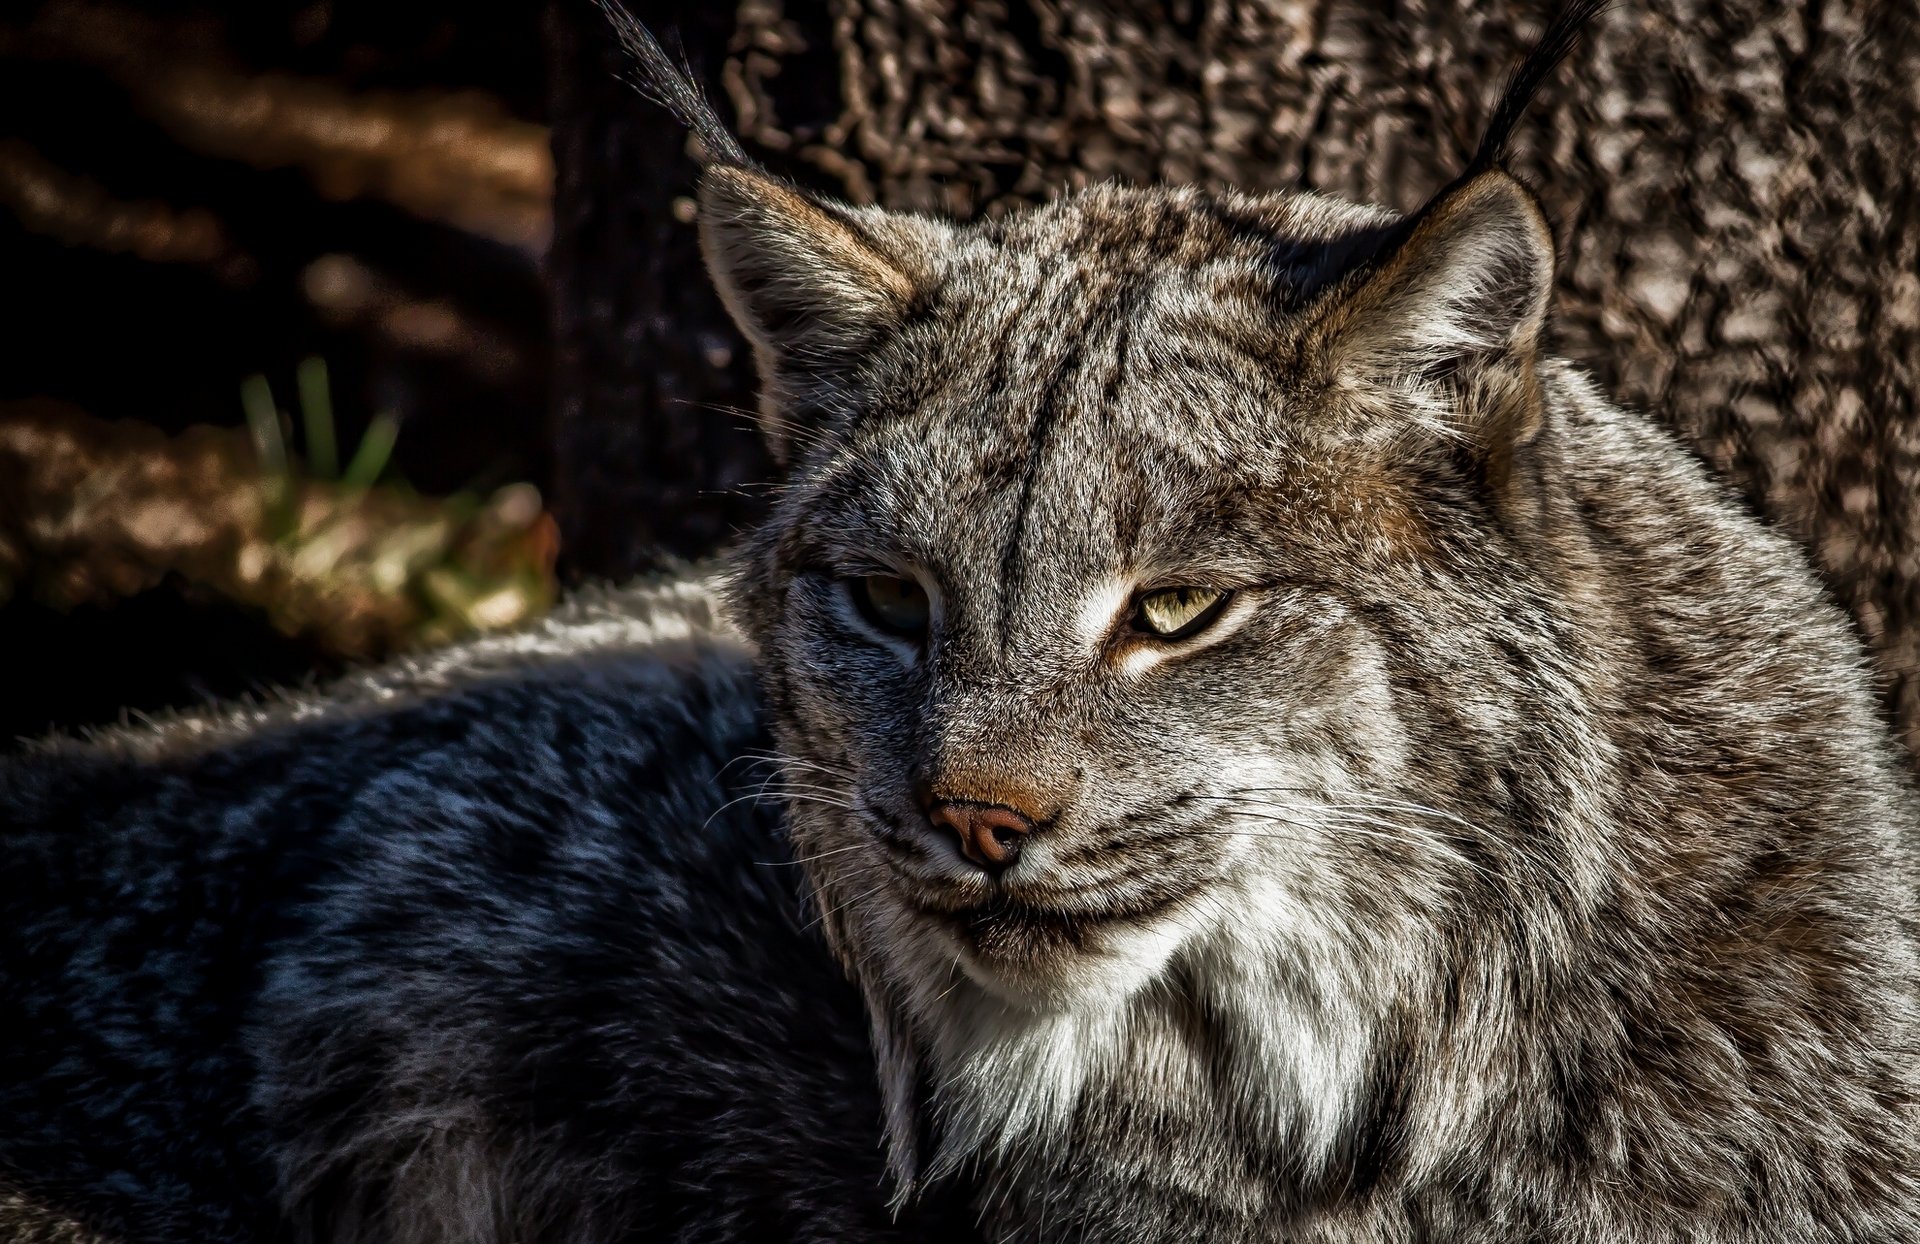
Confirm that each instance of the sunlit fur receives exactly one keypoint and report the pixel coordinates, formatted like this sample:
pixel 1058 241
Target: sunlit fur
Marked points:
pixel 1517 857
pixel 1520 856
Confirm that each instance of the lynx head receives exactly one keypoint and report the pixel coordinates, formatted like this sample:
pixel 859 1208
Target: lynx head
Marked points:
pixel 1141 598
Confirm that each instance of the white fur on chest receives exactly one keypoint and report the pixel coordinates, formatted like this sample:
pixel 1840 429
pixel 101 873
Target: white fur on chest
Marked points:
pixel 1249 1044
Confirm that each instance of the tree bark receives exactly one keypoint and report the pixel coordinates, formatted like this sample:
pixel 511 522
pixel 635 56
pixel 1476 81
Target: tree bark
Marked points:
pixel 1733 184
pixel 653 453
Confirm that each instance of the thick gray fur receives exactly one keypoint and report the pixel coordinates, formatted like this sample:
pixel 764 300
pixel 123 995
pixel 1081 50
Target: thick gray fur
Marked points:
pixel 496 943
pixel 1518 854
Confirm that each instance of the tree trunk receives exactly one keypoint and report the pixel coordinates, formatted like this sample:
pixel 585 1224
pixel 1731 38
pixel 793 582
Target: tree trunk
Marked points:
pixel 1734 187
pixel 654 455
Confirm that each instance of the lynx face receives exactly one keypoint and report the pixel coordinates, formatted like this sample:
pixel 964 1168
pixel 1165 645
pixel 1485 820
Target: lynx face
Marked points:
pixel 1284 762
pixel 1080 612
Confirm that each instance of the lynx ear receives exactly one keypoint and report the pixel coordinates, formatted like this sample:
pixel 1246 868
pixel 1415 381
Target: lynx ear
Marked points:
pixel 1444 324
pixel 812 283
pixel 1440 327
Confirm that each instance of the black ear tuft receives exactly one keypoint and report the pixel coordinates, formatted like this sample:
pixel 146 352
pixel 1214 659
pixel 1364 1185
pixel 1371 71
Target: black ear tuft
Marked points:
pixel 1438 325
pixel 811 282
pixel 673 88
pixel 1376 247
pixel 1559 38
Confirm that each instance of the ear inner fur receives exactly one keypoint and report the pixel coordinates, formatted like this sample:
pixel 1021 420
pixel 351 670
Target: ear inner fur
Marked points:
pixel 1440 336
pixel 809 283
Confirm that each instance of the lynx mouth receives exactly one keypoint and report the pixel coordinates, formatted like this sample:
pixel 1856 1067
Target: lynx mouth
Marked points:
pixel 1005 929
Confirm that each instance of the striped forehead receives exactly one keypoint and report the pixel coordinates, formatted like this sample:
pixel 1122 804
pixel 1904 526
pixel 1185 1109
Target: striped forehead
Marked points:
pixel 1089 380
pixel 1082 441
pixel 1063 348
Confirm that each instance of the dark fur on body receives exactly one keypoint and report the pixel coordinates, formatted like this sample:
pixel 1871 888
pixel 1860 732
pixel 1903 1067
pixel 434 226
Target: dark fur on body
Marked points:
pixel 496 944
pixel 1516 854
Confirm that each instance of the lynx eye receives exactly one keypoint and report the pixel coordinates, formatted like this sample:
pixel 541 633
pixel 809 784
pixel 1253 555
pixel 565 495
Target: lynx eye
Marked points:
pixel 891 603
pixel 1177 612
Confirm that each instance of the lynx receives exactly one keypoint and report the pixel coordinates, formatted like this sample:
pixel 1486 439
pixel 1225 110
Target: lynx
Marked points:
pixel 1276 755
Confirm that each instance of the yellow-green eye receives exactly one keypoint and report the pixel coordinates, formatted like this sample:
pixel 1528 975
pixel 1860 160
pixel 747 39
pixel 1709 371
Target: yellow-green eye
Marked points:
pixel 891 603
pixel 1177 612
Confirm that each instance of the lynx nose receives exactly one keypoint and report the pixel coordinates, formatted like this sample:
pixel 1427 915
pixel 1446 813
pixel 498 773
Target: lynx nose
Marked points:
pixel 990 834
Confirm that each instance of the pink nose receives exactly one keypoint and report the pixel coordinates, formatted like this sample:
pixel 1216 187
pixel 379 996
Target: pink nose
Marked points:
pixel 990 834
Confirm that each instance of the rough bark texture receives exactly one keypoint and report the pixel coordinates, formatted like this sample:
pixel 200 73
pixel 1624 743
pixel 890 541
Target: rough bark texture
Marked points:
pixel 1734 185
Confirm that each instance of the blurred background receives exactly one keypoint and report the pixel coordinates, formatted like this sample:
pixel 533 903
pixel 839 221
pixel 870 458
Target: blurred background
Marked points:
pixel 274 385
pixel 341 327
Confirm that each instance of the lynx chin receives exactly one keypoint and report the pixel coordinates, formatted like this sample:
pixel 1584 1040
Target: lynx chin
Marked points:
pixel 1277 754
